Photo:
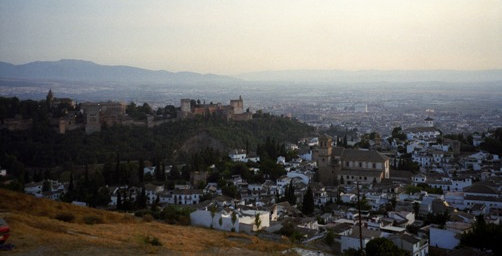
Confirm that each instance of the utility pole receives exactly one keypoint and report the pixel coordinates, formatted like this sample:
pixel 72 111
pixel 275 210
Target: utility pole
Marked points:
pixel 360 224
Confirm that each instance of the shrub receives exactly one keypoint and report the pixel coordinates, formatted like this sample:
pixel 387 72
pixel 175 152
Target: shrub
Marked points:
pixel 176 215
pixel 91 220
pixel 147 218
pixel 152 241
pixel 66 217
pixel 330 236
pixel 141 213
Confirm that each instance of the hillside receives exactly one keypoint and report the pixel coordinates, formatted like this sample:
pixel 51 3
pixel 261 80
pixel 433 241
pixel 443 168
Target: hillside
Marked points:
pixel 46 148
pixel 36 231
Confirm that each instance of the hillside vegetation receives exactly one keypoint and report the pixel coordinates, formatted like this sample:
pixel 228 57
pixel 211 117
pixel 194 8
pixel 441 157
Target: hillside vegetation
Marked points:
pixel 43 147
pixel 43 227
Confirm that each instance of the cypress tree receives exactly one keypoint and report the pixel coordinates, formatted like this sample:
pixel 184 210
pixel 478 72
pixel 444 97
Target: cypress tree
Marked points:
pixel 70 187
pixel 158 170
pixel 163 171
pixel 86 174
pixel 69 195
pixel 119 200
pixel 290 193
pixel 141 199
pixel 141 173
pixel 117 169
pixel 308 202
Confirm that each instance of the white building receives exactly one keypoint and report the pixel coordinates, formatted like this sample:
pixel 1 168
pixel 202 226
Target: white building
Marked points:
pixel 221 220
pixel 352 240
pixel 231 220
pixel 149 170
pixel 449 237
pixel 482 194
pixel 455 199
pixel 186 196
pixel 415 246
pixel 34 188
pixel 238 156
pixel 422 133
pixel 348 198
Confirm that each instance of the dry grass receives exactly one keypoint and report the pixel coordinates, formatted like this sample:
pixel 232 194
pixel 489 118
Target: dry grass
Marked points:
pixel 33 226
pixel 17 202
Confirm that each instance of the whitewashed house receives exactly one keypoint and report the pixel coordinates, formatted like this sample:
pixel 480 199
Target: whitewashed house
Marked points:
pixel 413 245
pixel 449 237
pixel 352 240
pixel 217 219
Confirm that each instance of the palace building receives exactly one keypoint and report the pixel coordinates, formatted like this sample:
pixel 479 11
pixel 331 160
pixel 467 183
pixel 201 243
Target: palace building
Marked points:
pixel 341 165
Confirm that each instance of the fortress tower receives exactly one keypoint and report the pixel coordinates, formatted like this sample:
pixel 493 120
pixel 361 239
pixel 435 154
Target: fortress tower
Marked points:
pixel 185 106
pixel 237 105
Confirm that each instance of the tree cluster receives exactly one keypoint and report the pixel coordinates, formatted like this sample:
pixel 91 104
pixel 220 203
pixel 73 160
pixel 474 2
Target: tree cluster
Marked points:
pixel 484 236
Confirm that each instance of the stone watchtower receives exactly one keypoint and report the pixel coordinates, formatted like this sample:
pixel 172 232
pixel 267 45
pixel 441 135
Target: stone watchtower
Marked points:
pixel 237 105
pixel 185 109
pixel 323 157
pixel 185 105
pixel 92 117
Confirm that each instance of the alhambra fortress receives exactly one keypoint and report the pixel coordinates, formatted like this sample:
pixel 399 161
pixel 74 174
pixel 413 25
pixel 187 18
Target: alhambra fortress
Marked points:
pixel 92 116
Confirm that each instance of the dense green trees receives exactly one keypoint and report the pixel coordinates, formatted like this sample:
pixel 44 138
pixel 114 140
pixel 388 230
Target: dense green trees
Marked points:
pixel 484 236
pixel 289 194
pixel 397 133
pixel 88 188
pixel 493 144
pixel 410 189
pixel 406 163
pixel 139 112
pixel 43 147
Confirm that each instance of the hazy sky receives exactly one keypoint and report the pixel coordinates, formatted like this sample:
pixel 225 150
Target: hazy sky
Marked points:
pixel 234 36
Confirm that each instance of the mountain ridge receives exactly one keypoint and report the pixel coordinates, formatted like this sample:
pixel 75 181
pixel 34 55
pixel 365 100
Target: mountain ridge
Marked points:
pixel 88 71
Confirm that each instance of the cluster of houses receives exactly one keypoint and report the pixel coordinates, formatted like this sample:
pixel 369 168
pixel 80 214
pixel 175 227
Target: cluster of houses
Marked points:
pixel 448 183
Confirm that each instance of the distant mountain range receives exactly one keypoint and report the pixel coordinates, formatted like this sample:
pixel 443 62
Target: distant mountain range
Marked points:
pixel 86 71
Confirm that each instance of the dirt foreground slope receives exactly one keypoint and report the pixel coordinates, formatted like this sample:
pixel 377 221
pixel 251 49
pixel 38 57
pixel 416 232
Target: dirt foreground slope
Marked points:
pixel 36 231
